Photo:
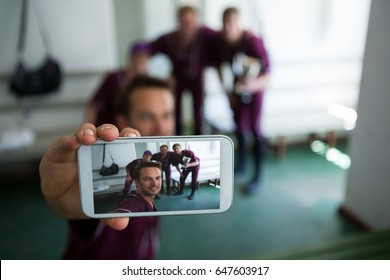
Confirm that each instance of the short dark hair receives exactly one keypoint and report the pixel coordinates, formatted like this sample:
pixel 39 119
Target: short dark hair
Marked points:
pixel 140 81
pixel 174 145
pixel 164 146
pixel 186 9
pixel 229 11
pixel 144 164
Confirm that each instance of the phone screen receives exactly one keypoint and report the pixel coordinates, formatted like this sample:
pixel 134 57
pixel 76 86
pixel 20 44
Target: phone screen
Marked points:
pixel 156 176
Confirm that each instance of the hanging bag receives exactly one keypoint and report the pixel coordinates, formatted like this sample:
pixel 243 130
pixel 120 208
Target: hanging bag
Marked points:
pixel 110 170
pixel 44 79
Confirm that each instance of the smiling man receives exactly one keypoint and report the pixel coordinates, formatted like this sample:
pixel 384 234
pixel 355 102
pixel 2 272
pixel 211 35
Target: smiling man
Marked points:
pixel 147 176
pixel 147 109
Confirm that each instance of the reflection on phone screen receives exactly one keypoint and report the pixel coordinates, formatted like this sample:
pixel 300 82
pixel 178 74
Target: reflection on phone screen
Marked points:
pixel 183 185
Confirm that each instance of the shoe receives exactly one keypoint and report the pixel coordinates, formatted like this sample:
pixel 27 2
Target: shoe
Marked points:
pixel 252 188
pixel 192 196
pixel 178 193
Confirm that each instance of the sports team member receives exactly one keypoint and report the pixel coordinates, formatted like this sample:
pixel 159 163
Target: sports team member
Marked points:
pixel 186 49
pixel 147 105
pixel 147 156
pixel 147 176
pixel 191 164
pixel 101 108
pixel 166 158
pixel 231 41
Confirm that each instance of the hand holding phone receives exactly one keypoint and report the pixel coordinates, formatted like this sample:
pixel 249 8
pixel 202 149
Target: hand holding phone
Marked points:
pixel 205 187
pixel 58 170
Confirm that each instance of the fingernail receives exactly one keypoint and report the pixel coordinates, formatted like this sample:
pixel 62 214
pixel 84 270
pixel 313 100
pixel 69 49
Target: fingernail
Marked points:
pixel 131 134
pixel 107 127
pixel 88 131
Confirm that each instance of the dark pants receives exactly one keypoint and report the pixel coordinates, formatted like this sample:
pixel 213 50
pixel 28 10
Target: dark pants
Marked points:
pixel 247 116
pixel 194 178
pixel 127 187
pixel 197 91
pixel 248 119
pixel 167 172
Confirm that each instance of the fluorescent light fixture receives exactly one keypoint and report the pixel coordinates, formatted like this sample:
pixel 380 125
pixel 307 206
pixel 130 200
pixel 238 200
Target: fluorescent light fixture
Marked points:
pixel 347 114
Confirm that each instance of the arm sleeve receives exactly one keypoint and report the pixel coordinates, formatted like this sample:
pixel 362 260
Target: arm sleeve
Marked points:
pixel 257 49
pixel 104 91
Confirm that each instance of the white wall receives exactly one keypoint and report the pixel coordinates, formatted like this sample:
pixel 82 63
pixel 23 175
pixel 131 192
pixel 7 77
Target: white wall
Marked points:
pixel 368 188
pixel 83 39
pixel 82 33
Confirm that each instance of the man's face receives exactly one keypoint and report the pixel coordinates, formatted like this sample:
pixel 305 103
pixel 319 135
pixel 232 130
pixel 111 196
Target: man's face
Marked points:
pixel 147 157
pixel 188 23
pixel 152 111
pixel 177 150
pixel 164 151
pixel 149 183
pixel 231 28
pixel 139 62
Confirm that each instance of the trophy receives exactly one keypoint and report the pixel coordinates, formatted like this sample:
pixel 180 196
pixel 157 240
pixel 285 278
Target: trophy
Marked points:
pixel 245 67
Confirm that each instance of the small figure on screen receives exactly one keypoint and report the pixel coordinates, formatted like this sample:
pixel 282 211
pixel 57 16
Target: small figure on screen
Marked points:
pixel 166 158
pixel 147 176
pixel 190 164
pixel 147 155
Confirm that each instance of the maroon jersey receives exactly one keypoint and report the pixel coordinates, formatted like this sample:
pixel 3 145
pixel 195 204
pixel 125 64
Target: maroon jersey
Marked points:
pixel 186 155
pixel 132 165
pixel 250 45
pixel 105 96
pixel 187 65
pixel 165 162
pixel 134 202
pixel 92 239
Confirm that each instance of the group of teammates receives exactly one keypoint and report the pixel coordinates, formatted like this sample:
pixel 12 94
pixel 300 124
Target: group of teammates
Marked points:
pixel 187 159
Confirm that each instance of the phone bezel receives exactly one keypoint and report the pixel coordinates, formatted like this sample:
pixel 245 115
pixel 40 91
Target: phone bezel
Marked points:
pixel 226 180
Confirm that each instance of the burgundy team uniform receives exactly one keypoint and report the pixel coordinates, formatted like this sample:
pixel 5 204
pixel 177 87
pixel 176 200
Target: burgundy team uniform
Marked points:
pixel 130 170
pixel 105 97
pixel 194 170
pixel 187 68
pixel 166 167
pixel 92 239
pixel 247 115
pixel 134 202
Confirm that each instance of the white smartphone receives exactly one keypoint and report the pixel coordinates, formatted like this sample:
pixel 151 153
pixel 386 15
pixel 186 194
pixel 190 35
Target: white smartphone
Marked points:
pixel 196 178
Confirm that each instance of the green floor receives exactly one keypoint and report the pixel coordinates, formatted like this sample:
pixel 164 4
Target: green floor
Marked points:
pixel 296 208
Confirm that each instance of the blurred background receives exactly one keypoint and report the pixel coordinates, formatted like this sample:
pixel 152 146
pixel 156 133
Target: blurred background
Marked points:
pixel 325 176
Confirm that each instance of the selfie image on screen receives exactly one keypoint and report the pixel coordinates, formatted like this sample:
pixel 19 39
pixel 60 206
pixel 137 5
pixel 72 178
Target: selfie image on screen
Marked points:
pixel 172 176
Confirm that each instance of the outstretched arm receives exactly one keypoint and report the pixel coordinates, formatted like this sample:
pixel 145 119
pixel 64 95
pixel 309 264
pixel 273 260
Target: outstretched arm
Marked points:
pixel 59 173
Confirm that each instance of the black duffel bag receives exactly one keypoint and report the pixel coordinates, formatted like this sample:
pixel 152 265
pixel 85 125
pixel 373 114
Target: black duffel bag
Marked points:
pixel 44 79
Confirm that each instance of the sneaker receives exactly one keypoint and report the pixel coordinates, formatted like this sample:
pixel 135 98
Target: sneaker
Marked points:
pixel 252 188
pixel 192 196
pixel 178 193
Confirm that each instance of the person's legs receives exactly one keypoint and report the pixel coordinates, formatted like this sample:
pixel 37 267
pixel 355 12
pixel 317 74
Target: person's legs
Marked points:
pixel 240 113
pixel 198 99
pixel 259 144
pixel 178 97
pixel 194 181
pixel 182 181
pixel 168 179
pixel 241 152
pixel 127 187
